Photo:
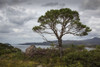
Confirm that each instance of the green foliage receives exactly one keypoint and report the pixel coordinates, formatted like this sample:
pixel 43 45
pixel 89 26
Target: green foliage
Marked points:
pixel 78 64
pixel 98 47
pixel 64 17
pixel 17 63
pixel 7 48
pixel 86 58
pixel 73 56
pixel 80 47
pixel 13 57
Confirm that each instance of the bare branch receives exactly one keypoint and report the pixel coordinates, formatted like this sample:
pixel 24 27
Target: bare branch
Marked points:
pixel 47 32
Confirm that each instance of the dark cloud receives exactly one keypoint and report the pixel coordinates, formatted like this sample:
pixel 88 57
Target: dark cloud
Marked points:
pixel 53 4
pixel 11 1
pixel 12 18
pixel 5 27
pixel 18 15
pixel 2 2
pixel 90 5
pixel 62 3
pixel 5 3
pixel 5 30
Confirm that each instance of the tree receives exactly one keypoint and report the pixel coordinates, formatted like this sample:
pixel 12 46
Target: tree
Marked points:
pixel 61 22
pixel 81 47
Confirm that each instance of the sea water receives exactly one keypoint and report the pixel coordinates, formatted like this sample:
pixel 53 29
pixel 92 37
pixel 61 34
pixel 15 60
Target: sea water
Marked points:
pixel 23 47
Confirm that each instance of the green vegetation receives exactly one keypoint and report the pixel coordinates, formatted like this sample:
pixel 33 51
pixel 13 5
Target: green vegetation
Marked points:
pixel 73 56
pixel 13 57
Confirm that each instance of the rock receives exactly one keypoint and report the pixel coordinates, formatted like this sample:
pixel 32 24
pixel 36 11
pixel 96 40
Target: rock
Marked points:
pixel 30 50
pixel 39 66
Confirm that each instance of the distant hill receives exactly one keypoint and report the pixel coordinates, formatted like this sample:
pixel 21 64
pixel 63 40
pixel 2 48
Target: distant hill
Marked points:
pixel 93 41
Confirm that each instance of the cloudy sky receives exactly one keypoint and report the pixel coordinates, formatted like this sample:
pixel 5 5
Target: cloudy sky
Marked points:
pixel 17 17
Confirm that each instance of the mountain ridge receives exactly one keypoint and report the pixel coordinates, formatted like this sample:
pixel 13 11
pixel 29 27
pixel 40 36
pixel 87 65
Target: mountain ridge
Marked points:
pixel 93 41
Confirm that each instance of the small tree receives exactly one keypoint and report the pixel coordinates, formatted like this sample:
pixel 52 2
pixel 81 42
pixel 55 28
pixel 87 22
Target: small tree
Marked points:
pixel 61 22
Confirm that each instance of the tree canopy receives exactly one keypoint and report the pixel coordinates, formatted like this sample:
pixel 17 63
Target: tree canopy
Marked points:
pixel 61 22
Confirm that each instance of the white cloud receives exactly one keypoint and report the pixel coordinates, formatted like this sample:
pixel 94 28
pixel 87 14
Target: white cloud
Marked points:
pixel 94 23
pixel 17 30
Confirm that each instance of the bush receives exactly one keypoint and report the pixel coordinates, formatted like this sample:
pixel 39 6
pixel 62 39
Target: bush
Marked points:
pixel 7 48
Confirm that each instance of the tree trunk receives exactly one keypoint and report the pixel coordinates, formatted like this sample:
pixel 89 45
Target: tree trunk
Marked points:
pixel 60 47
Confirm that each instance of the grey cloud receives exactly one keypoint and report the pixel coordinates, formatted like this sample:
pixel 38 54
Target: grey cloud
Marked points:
pixel 19 20
pixel 61 3
pixel 5 28
pixel 13 11
pixel 1 18
pixel 12 17
pixel 90 5
pixel 2 2
pixel 94 24
pixel 5 3
pixel 90 13
pixel 73 4
pixel 95 13
pixel 53 4
pixel 94 34
pixel 11 1
pixel 18 16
